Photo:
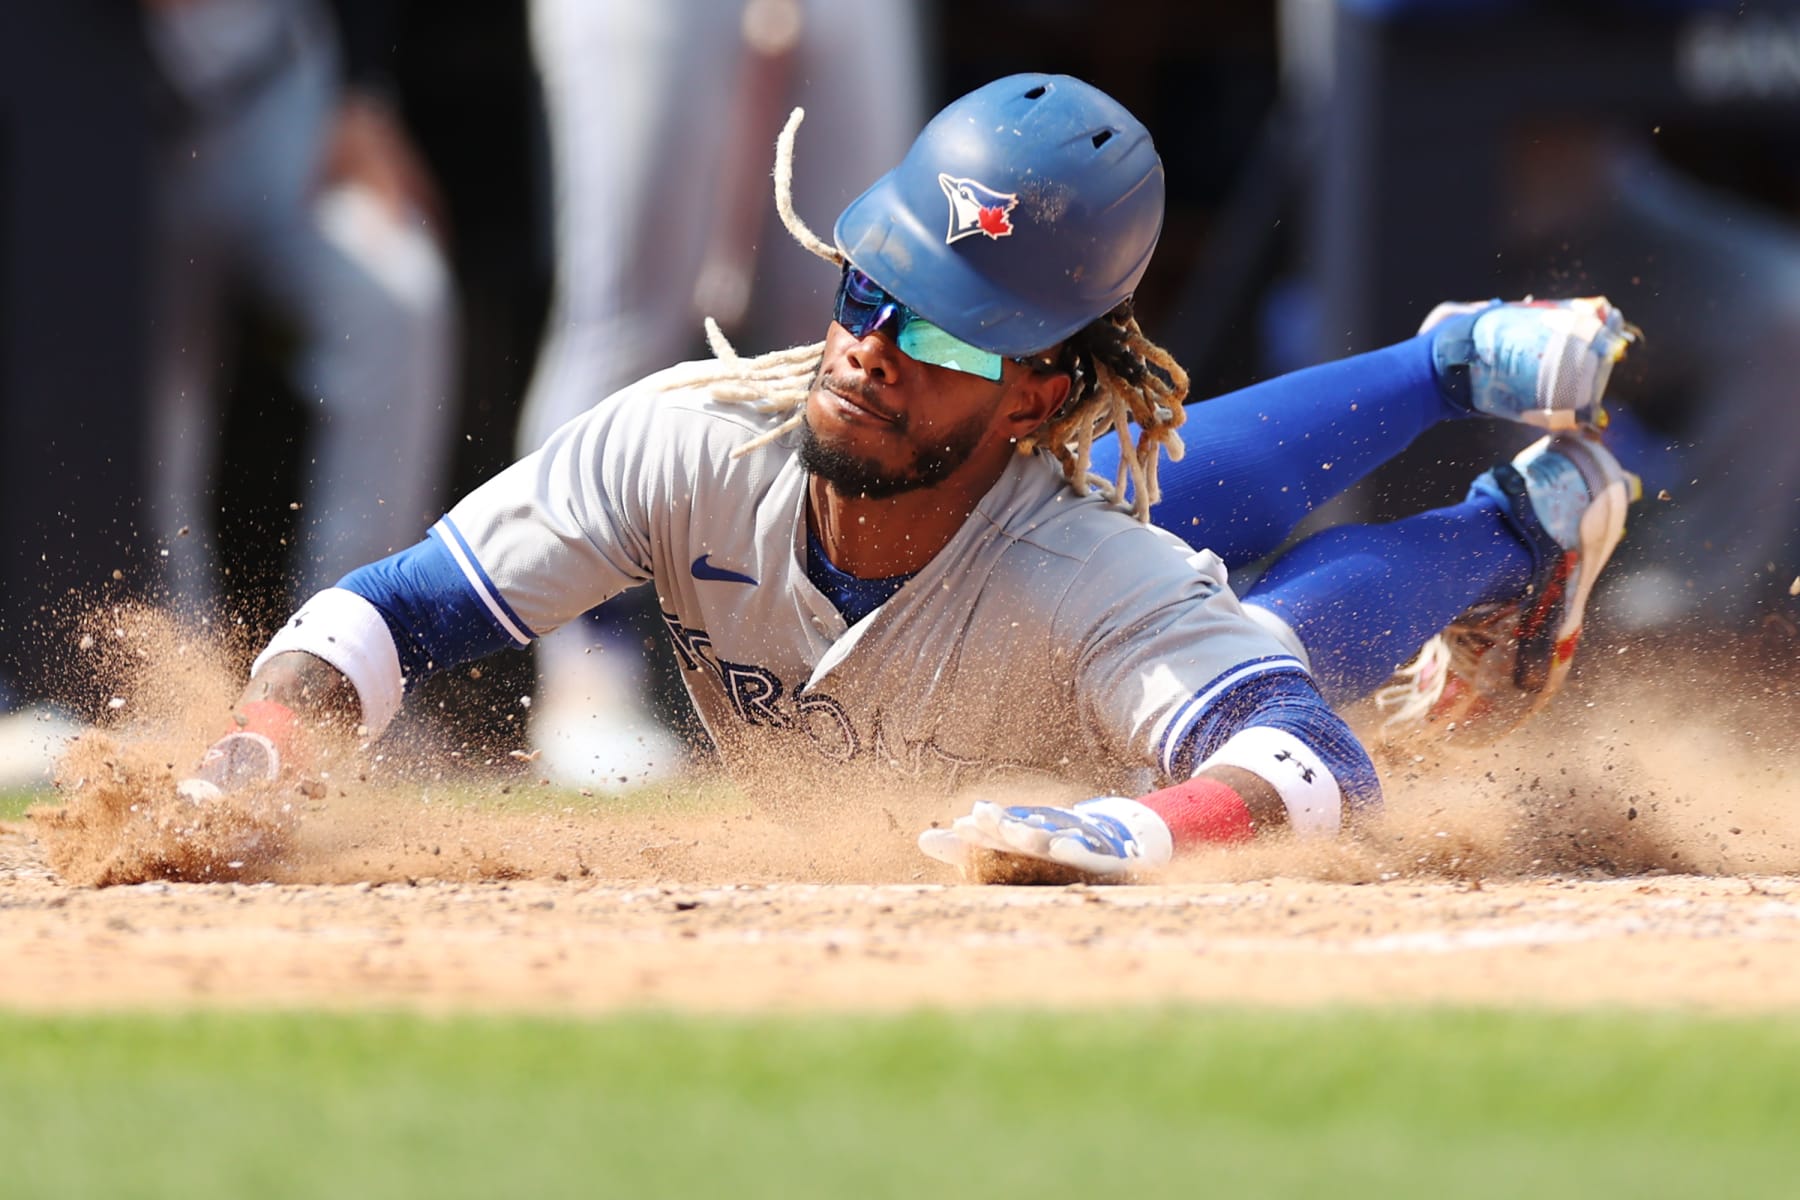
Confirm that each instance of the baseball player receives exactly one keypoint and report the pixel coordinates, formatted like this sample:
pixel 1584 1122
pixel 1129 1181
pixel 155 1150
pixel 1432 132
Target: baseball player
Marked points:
pixel 891 548
pixel 660 207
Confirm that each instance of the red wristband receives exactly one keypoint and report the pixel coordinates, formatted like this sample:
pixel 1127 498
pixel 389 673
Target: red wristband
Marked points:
pixel 275 721
pixel 1202 811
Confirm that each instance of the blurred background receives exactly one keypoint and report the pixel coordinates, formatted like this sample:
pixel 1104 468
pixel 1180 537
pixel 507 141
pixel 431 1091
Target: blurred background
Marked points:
pixel 281 278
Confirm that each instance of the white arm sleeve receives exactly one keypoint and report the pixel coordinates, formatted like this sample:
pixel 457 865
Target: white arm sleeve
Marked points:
pixel 347 631
pixel 1315 802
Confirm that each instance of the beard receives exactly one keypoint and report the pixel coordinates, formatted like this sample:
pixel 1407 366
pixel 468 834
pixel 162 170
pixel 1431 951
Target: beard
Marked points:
pixel 859 475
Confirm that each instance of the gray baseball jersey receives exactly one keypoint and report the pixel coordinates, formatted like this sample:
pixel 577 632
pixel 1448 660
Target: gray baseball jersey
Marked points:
pixel 1053 633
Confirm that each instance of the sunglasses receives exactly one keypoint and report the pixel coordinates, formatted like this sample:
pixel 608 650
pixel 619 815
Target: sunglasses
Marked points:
pixel 864 306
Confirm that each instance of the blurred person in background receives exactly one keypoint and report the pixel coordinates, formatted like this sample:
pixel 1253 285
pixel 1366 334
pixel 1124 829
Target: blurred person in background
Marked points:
pixel 287 181
pixel 75 170
pixel 1543 143
pixel 660 117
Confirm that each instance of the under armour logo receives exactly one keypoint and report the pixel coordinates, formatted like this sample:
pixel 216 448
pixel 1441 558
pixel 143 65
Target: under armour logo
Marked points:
pixel 1306 772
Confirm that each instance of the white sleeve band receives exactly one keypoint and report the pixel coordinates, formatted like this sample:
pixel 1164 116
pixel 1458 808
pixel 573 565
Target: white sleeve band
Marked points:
pixel 347 631
pixel 1284 633
pixel 1314 801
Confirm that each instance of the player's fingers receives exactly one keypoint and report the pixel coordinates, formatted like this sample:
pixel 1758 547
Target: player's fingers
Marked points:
pixel 975 835
pixel 1073 851
pixel 946 847
pixel 983 827
pixel 198 791
pixel 1023 837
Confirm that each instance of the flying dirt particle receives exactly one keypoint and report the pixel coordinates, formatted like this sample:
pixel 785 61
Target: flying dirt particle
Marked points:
pixel 1794 587
pixel 1663 494
pixel 293 506
pixel 86 642
pixel 117 574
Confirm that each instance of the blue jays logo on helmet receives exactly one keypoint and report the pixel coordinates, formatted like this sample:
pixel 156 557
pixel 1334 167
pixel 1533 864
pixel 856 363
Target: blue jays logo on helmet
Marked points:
pixel 976 208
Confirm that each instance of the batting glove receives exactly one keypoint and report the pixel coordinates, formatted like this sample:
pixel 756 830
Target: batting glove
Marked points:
pixel 248 757
pixel 1106 838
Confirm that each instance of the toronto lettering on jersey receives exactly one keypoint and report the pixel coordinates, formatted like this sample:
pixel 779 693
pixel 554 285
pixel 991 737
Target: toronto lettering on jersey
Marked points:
pixel 760 699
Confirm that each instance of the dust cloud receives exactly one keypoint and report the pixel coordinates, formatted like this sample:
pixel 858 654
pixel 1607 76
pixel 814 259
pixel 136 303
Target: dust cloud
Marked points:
pixel 1657 758
pixel 1662 755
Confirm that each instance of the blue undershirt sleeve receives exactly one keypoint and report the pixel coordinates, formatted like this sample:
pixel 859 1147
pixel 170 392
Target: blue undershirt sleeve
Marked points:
pixel 1287 701
pixel 436 618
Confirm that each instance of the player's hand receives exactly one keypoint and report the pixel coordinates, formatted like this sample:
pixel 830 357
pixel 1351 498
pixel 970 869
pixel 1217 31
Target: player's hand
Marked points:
pixel 253 755
pixel 1105 838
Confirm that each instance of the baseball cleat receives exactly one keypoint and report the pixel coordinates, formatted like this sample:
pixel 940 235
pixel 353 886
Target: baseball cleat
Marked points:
pixel 1541 362
pixel 1498 664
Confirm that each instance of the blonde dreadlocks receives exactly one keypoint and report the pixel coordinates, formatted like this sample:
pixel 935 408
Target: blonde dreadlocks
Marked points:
pixel 1120 376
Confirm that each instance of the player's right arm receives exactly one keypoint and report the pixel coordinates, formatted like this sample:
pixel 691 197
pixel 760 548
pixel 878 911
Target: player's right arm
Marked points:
pixel 341 665
pixel 550 537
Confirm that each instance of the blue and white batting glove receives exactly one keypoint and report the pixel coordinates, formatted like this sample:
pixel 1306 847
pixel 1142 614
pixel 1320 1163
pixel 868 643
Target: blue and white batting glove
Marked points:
pixel 1108 837
pixel 1541 362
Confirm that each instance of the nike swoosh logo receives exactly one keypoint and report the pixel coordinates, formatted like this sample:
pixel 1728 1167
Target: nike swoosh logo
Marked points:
pixel 705 570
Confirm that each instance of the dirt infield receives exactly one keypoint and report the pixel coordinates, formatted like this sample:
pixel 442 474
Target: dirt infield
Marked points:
pixel 1635 847
pixel 1688 941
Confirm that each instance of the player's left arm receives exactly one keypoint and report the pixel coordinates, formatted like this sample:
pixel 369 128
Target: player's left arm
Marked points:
pixel 1171 671
pixel 1268 754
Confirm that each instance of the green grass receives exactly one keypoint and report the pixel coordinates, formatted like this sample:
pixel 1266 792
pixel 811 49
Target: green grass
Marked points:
pixel 1184 1103
pixel 501 793
pixel 14 801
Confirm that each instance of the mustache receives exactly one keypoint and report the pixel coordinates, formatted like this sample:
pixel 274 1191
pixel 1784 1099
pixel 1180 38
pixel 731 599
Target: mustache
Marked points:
pixel 859 389
pixel 855 389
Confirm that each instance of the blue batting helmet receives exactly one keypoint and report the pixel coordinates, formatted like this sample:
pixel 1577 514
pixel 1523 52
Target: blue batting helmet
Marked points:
pixel 1023 211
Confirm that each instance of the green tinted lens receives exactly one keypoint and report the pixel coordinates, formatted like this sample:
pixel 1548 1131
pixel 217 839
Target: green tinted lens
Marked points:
pixel 921 340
